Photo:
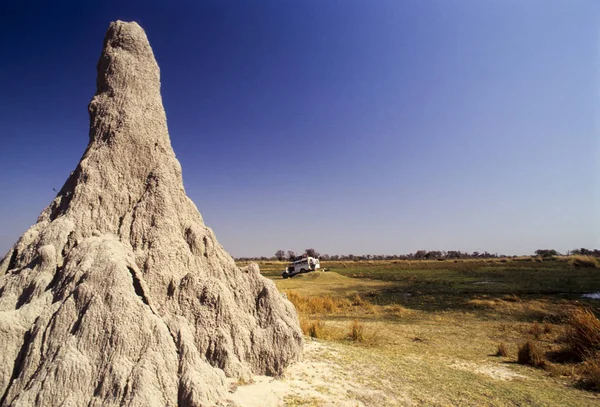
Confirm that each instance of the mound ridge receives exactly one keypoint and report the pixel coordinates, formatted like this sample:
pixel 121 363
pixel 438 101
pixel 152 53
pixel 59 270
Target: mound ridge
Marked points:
pixel 119 294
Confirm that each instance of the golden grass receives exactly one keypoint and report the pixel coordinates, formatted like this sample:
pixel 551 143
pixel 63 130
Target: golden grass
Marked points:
pixel 536 330
pixel 312 308
pixel 317 304
pixel 356 331
pixel 578 358
pixel 358 301
pixel 396 310
pixel 326 304
pixel 313 328
pixel 590 373
pixel 584 261
pixel 583 333
pixel 512 305
pixel 502 350
pixel 477 303
pixel 353 313
pixel 511 298
pixel 530 354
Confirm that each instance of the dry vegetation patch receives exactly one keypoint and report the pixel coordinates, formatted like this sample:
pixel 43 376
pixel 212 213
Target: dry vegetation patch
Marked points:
pixel 531 354
pixel 356 331
pixel 573 351
pixel 426 320
pixel 583 333
pixel 584 261
pixel 590 373
pixel 502 350
pixel 314 311
pixel 311 305
pixel 532 309
pixel 312 328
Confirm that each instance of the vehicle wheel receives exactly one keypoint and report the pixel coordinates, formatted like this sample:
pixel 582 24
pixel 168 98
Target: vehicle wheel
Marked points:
pixel 284 275
pixel 302 271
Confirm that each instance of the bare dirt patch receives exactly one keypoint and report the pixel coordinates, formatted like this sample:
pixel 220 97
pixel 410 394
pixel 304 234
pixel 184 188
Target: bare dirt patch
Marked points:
pixel 496 372
pixel 319 380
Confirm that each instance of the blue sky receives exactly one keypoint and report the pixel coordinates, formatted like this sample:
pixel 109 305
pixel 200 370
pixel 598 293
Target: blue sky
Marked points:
pixel 348 126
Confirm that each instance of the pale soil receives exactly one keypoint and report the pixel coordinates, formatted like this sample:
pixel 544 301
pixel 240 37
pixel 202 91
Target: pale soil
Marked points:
pixel 319 380
pixel 493 371
pixel 323 378
pixel 402 371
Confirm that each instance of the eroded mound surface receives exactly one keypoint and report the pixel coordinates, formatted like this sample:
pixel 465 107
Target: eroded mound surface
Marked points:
pixel 119 294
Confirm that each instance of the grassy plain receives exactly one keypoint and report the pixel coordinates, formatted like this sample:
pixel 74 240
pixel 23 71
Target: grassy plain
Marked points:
pixel 427 332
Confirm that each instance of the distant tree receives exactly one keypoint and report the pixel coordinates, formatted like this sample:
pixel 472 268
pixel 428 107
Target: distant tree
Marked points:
pixel 420 254
pixel 311 253
pixel 291 255
pixel 434 254
pixel 546 253
pixel 454 254
pixel 585 252
pixel 280 255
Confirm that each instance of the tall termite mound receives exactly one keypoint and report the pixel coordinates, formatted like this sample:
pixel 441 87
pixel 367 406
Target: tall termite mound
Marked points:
pixel 119 294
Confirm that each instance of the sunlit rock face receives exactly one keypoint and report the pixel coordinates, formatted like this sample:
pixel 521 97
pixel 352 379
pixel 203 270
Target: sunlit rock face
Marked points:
pixel 119 294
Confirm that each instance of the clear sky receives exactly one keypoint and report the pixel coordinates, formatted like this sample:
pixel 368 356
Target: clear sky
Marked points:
pixel 348 126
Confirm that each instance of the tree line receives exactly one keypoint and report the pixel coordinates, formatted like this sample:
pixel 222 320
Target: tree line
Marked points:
pixel 290 255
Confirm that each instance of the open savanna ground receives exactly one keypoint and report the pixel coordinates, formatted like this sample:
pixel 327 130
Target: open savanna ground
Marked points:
pixel 443 333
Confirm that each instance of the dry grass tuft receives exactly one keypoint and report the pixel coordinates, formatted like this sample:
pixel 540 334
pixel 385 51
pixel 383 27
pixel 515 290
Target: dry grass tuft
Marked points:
pixel 358 301
pixel 583 333
pixel 359 333
pixel 584 261
pixel 561 370
pixel 477 303
pixel 317 305
pixel 312 328
pixel 536 330
pixel 539 310
pixel 511 298
pixel 530 354
pixel 356 331
pixel 312 308
pixel 502 350
pixel 397 310
pixel 590 373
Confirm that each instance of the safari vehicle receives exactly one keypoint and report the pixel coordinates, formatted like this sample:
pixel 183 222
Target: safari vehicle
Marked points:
pixel 302 264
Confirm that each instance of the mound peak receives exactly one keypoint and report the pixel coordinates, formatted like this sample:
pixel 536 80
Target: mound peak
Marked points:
pixel 119 294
